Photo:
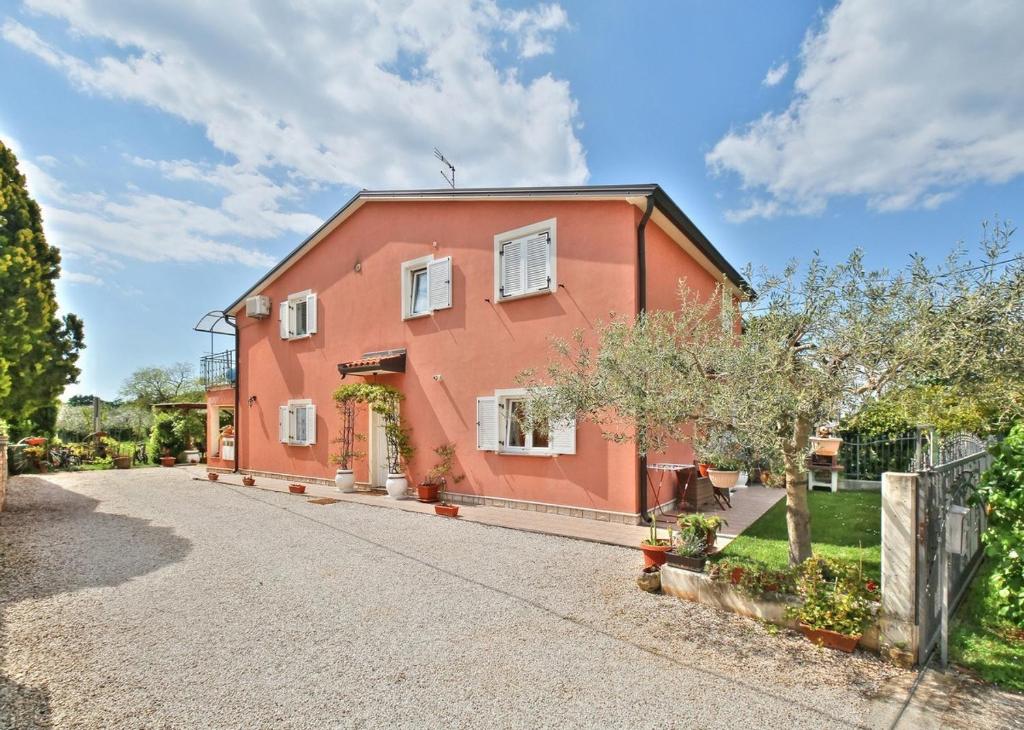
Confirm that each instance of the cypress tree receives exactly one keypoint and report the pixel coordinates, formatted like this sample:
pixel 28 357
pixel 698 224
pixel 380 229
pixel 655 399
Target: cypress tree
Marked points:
pixel 38 349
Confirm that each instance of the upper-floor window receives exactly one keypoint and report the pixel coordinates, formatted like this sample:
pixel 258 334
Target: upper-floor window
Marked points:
pixel 524 261
pixel 298 315
pixel 426 286
pixel 297 423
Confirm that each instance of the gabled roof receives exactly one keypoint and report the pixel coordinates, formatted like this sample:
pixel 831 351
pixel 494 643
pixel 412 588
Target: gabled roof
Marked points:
pixel 636 194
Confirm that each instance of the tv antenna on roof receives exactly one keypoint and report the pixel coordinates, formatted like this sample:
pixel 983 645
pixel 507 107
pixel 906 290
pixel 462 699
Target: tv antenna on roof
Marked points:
pixel 449 180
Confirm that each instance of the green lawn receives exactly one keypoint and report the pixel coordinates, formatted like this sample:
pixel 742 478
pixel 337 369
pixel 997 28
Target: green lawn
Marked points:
pixel 845 525
pixel 992 648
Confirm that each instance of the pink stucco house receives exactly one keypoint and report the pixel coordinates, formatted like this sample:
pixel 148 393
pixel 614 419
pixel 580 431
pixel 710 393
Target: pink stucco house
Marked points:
pixel 448 295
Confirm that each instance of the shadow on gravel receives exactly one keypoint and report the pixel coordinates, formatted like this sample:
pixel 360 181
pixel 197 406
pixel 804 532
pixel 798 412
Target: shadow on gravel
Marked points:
pixel 53 540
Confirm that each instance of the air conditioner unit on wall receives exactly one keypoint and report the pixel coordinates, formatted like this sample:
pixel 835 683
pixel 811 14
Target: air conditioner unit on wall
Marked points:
pixel 257 307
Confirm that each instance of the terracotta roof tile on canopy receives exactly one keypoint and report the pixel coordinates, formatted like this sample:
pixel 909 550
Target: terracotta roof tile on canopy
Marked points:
pixel 375 363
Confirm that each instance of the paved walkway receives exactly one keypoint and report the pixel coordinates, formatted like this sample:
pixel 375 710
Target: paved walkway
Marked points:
pixel 748 505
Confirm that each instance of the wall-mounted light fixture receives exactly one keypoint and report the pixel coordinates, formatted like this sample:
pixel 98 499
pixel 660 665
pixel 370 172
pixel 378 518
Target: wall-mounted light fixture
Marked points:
pixel 358 267
pixel 438 378
pixel 252 401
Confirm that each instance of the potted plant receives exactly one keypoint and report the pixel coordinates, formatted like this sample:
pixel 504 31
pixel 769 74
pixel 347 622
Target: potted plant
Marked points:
pixel 825 443
pixel 702 526
pixel 297 488
pixel 36 455
pixel 439 475
pixel 690 552
pixel 837 603
pixel 725 473
pixel 346 398
pixel 650 579
pixel 248 481
pixel 212 476
pixel 166 459
pixel 654 547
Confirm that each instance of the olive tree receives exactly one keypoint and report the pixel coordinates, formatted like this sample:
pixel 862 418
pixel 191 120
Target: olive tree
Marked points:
pixel 816 344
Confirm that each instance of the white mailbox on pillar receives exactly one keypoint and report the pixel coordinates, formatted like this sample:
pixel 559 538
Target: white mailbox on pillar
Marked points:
pixel 957 521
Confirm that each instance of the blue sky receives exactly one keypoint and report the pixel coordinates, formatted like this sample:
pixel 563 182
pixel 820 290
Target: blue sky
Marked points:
pixel 179 149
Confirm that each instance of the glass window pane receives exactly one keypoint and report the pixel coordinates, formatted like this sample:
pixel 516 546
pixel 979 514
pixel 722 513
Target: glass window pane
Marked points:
pixel 540 438
pixel 300 424
pixel 300 316
pixel 515 438
pixel 420 303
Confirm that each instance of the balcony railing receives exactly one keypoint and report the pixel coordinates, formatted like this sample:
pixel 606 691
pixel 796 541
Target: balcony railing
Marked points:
pixel 218 369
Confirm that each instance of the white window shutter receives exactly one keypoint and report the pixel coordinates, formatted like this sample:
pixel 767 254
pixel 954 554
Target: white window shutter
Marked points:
pixel 538 271
pixel 487 423
pixel 439 282
pixel 283 309
pixel 512 254
pixel 311 314
pixel 311 424
pixel 563 437
pixel 282 424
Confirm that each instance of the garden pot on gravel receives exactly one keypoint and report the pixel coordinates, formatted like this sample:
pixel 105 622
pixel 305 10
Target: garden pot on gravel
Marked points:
pixel 397 486
pixel 447 510
pixel 297 488
pixel 723 479
pixel 830 639
pixel 345 480
pixel 649 580
pixel 248 481
pixel 427 493
pixel 122 462
pixel 654 555
pixel 212 476
pixel 167 461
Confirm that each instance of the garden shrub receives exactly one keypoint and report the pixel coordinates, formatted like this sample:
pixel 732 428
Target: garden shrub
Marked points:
pixel 836 596
pixel 164 437
pixel 1002 490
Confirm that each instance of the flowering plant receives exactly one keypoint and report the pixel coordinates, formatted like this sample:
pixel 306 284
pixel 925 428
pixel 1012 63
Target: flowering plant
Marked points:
pixel 835 596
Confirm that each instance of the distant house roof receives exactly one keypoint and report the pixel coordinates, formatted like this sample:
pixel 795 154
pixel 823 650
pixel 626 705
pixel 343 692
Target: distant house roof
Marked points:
pixel 636 194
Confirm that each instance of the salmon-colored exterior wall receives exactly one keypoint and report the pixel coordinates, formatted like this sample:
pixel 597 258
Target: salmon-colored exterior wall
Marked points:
pixel 667 263
pixel 477 346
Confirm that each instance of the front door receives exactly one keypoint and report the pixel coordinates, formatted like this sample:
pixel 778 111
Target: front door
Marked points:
pixel 378 451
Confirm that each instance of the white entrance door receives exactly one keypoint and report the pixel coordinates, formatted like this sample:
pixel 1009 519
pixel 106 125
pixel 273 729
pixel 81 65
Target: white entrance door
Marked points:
pixel 378 451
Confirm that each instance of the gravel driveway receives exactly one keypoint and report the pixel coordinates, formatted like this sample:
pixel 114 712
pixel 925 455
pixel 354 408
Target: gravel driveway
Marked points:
pixel 147 599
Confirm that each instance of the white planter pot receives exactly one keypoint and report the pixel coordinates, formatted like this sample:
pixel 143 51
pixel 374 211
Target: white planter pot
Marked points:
pixel 345 480
pixel 397 486
pixel 723 479
pixel 826 446
pixel 741 482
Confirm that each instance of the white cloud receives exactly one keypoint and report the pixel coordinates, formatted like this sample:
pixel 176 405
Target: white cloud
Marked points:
pixel 900 103
pixel 332 92
pixel 776 74
pixel 78 277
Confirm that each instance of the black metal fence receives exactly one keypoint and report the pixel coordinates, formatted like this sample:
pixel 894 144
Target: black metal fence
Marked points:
pixel 218 369
pixel 867 457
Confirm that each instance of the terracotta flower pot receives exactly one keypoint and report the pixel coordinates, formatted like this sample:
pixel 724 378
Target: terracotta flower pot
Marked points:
pixel 831 639
pixel 212 476
pixel 167 461
pixel 426 492
pixel 447 510
pixel 248 481
pixel 703 469
pixel 655 555
pixel 735 576
pixel 297 488
pixel 122 462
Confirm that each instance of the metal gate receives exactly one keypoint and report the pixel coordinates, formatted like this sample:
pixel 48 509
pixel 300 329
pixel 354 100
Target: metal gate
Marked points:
pixel 939 487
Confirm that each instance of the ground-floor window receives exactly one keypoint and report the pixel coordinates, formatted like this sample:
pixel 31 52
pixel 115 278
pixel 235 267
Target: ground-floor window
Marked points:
pixel 501 427
pixel 297 423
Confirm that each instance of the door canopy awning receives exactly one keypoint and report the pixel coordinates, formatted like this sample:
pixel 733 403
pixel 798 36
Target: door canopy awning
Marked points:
pixel 375 363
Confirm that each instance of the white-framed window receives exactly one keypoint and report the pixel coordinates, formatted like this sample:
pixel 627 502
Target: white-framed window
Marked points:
pixel 297 423
pixel 499 427
pixel 525 261
pixel 426 286
pixel 297 315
